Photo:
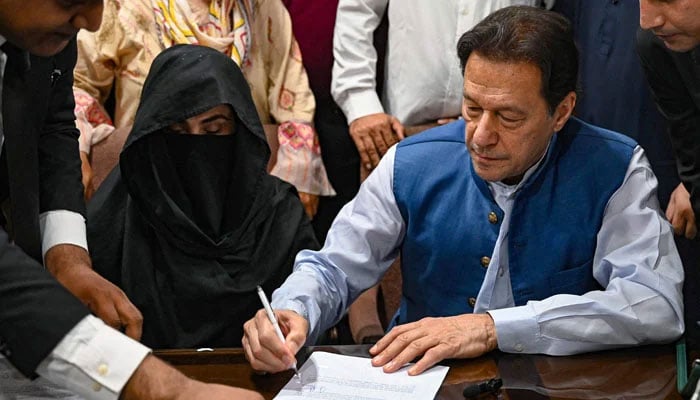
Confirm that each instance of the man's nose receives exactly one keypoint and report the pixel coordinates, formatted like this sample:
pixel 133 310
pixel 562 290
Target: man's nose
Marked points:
pixel 485 134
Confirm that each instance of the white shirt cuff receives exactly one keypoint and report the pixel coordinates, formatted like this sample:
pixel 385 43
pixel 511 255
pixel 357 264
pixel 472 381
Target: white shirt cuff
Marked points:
pixel 93 360
pixel 62 227
pixel 360 103
pixel 517 330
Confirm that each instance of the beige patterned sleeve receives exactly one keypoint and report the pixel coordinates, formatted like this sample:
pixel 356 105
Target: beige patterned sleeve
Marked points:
pixel 291 104
pixel 97 55
pixel 94 77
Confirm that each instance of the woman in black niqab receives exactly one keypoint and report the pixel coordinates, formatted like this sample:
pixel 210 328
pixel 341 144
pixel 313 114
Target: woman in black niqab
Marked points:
pixel 188 224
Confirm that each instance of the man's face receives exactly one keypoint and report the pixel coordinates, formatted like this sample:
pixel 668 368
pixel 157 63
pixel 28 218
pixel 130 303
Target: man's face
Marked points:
pixel 216 121
pixel 508 122
pixel 44 27
pixel 676 22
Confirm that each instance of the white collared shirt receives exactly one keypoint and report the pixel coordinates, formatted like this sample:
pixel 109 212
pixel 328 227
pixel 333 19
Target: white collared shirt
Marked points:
pixel 422 77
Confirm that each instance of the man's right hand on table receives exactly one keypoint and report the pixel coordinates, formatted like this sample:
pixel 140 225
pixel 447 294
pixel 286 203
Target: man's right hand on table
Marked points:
pixel 264 349
pixel 373 135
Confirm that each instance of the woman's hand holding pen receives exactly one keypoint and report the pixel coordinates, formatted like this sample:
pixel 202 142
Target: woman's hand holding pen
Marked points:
pixel 435 339
pixel 264 350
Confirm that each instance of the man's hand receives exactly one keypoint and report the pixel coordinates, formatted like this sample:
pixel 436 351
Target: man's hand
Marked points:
pixel 155 380
pixel 462 336
pixel 71 266
pixel 264 350
pixel 310 202
pixel 373 135
pixel 680 213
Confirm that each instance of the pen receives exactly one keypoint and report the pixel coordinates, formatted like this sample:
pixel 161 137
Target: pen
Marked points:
pixel 490 386
pixel 275 324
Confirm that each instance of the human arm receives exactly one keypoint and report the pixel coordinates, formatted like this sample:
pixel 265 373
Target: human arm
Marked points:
pixel 291 104
pixel 156 380
pixel 361 244
pixel 97 362
pixel 62 207
pixel 71 266
pixel 354 79
pixel 673 98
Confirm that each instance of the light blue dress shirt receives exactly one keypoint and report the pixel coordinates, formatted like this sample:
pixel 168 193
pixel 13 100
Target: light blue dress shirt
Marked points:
pixel 636 261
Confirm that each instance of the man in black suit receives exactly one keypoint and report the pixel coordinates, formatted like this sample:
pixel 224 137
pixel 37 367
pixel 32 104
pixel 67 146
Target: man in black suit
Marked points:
pixel 43 328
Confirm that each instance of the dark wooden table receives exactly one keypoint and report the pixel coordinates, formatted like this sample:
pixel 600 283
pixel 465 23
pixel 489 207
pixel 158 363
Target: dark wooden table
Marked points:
pixel 641 373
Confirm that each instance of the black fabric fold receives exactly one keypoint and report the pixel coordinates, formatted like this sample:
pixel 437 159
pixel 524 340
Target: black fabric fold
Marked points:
pixel 189 225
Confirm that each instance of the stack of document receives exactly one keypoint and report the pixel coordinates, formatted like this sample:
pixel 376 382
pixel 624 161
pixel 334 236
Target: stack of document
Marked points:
pixel 338 377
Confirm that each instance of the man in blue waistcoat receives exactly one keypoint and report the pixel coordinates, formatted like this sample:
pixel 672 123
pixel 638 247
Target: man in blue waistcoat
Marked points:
pixel 520 227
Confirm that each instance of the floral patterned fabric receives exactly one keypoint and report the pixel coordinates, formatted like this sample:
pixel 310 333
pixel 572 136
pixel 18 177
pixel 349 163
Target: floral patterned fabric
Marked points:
pixel 119 55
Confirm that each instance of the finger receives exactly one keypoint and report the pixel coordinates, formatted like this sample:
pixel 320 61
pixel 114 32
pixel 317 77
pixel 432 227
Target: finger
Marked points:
pixel 387 339
pixel 407 347
pixel 362 151
pixel 296 329
pixel 105 310
pixel 678 223
pixel 269 341
pixel 130 317
pixel 383 138
pixel 398 128
pixel 397 344
pixel 257 365
pixel 670 211
pixel 431 357
pixel 260 355
pixel 372 153
pixel 678 227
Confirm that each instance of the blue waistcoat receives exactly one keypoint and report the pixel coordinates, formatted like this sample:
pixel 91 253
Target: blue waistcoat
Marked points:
pixel 452 220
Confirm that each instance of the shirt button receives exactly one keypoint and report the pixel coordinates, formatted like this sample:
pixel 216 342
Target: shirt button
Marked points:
pixel 485 261
pixel 493 218
pixel 96 387
pixel 500 272
pixel 472 302
pixel 102 369
pixel 519 347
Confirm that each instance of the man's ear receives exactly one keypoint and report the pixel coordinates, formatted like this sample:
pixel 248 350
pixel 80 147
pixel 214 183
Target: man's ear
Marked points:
pixel 564 110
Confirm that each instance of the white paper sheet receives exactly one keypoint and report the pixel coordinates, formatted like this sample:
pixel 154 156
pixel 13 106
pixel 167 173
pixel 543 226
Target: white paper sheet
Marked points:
pixel 338 377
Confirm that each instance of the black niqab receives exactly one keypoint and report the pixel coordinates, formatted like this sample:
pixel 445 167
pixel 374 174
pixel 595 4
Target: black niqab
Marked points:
pixel 188 225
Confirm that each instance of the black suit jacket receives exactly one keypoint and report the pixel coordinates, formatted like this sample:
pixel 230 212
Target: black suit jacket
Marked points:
pixel 675 82
pixel 43 166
